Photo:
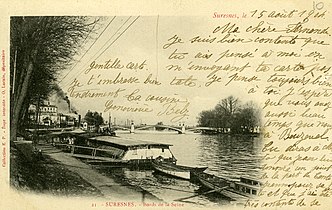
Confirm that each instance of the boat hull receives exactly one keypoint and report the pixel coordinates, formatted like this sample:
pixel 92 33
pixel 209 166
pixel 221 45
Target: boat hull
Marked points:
pixel 224 186
pixel 211 182
pixel 178 171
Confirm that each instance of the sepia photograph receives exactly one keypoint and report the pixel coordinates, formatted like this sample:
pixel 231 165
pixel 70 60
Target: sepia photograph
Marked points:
pixel 90 115
pixel 155 105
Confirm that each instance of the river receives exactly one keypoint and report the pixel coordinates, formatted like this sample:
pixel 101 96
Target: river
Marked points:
pixel 227 156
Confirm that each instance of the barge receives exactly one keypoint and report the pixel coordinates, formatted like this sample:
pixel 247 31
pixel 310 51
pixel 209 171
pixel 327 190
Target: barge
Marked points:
pixel 107 149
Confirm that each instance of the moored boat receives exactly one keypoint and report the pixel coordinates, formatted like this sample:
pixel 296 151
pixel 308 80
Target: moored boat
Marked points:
pixel 238 190
pixel 178 171
pixel 246 187
pixel 117 150
pixel 211 181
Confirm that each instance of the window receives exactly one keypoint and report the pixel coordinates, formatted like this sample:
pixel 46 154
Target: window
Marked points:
pixel 162 150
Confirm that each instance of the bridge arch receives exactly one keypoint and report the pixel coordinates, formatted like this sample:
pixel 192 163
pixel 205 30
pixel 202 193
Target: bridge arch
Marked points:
pixel 180 131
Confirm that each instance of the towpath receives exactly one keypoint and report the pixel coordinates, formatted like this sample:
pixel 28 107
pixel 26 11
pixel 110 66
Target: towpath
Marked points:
pixel 107 185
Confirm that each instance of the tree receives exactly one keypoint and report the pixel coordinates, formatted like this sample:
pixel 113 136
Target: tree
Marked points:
pixel 230 105
pixel 248 118
pixel 94 118
pixel 40 47
pixel 207 118
pixel 229 113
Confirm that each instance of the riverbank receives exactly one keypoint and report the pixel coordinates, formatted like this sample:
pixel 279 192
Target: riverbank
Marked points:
pixel 57 173
pixel 46 176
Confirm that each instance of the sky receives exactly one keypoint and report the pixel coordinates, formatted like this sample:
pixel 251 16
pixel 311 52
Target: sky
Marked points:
pixel 141 40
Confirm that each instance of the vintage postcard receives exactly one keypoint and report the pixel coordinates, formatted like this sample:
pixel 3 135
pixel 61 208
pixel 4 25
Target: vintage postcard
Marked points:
pixel 166 105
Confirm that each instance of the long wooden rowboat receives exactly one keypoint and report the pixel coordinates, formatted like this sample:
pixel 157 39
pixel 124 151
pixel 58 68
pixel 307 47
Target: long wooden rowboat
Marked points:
pixel 211 181
pixel 178 171
pixel 235 190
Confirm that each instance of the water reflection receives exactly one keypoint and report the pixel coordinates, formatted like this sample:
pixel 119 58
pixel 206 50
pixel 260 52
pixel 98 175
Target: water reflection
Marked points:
pixel 230 156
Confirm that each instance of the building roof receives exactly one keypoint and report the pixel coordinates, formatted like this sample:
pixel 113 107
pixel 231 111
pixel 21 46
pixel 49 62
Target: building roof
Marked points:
pixel 127 142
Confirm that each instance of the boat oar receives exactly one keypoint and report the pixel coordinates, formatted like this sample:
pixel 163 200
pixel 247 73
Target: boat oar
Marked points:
pixel 208 192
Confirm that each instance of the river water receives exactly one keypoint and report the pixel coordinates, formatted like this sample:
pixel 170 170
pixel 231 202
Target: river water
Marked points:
pixel 227 156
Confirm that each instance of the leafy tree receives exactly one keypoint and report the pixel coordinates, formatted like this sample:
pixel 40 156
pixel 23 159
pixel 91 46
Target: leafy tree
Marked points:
pixel 249 117
pixel 207 118
pixel 225 110
pixel 94 118
pixel 40 47
pixel 229 113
